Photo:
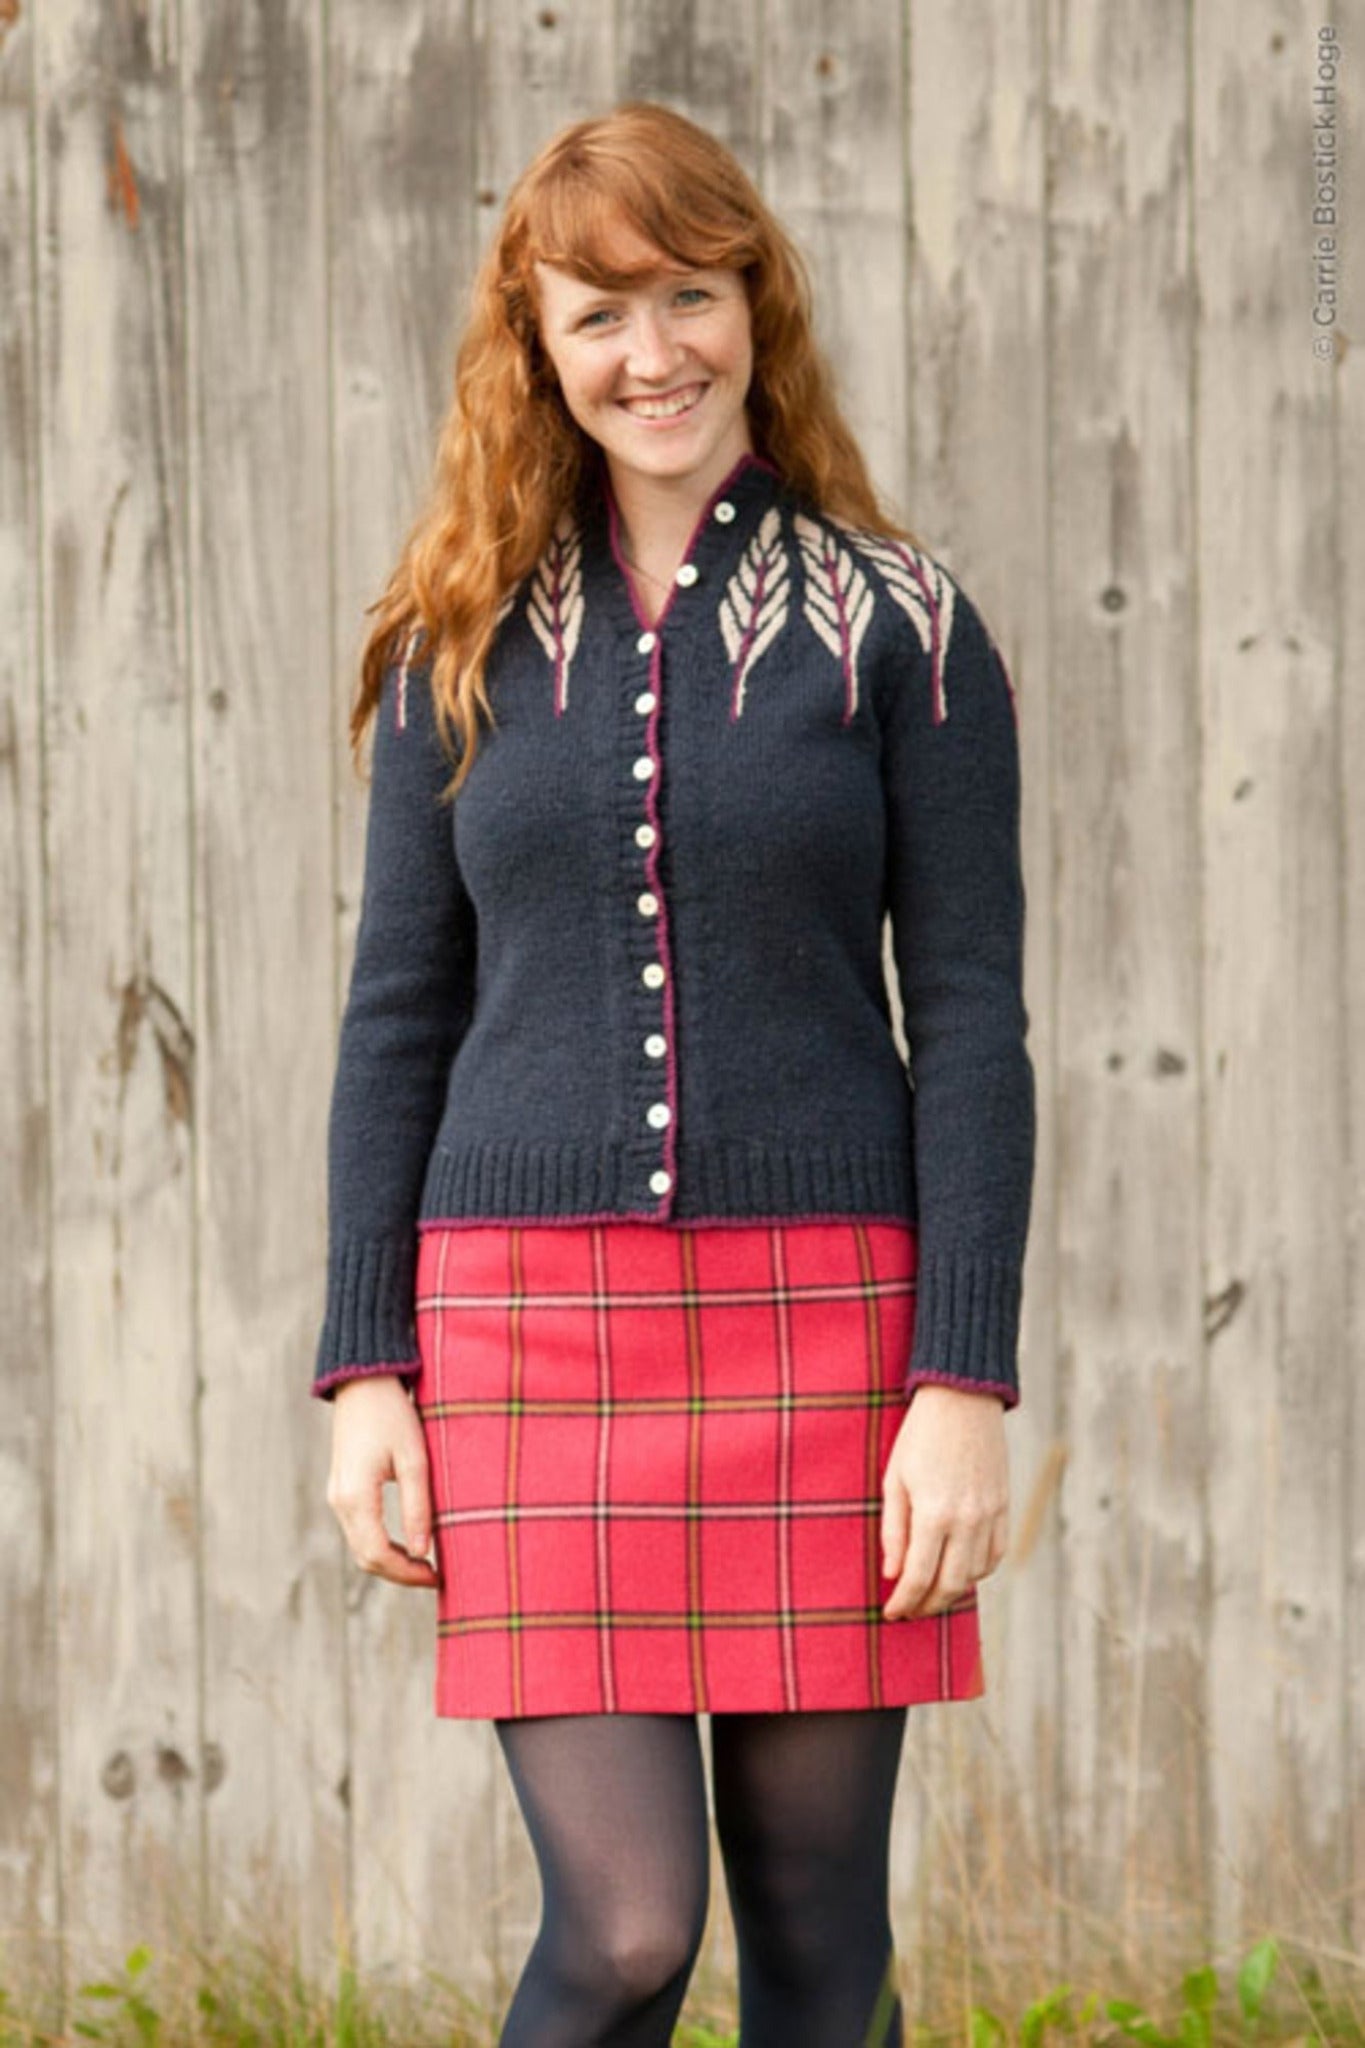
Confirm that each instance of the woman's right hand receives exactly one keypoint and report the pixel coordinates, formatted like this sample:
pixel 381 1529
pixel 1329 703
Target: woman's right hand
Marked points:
pixel 377 1435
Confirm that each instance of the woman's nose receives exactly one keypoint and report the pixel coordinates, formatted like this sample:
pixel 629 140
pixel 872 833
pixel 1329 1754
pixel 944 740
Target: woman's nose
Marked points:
pixel 652 351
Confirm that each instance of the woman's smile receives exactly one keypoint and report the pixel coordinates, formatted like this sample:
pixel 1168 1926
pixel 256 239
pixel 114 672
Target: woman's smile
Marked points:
pixel 667 406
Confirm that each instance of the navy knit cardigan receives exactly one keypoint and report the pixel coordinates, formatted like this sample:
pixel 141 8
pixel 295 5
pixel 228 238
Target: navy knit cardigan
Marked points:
pixel 636 969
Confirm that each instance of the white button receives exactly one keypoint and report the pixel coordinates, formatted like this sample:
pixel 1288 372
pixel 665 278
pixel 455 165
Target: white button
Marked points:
pixel 656 1045
pixel 725 512
pixel 660 1182
pixel 646 643
pixel 653 975
pixel 645 835
pixel 658 1114
pixel 688 573
pixel 647 904
pixel 644 768
pixel 645 702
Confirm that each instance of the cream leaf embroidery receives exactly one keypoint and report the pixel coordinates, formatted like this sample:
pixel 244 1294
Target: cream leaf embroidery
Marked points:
pixel 754 606
pixel 838 602
pixel 409 654
pixel 555 605
pixel 925 592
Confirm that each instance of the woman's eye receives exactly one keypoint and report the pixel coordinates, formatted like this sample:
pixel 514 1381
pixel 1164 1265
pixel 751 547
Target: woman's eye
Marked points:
pixel 591 319
pixel 694 291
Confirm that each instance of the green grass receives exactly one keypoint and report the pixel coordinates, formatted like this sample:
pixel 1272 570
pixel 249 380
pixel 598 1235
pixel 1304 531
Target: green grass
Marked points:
pixel 251 2000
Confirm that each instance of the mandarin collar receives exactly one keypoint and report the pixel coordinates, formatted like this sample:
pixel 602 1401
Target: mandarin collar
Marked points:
pixel 723 528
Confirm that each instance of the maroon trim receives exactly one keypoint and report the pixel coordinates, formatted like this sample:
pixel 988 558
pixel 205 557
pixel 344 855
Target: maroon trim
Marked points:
pixel 664 1208
pixel 339 1373
pixel 1007 1393
pixel 677 1223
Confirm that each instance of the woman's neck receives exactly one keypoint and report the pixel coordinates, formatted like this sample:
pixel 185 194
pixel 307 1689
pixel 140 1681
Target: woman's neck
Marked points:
pixel 657 516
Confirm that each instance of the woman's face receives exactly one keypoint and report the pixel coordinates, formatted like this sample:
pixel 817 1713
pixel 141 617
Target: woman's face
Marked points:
pixel 657 374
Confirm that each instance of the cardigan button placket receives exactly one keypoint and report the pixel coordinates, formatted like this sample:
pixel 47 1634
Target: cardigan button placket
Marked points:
pixel 646 703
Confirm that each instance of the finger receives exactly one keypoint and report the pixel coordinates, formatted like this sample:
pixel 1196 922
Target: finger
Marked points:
pixel 408 1571
pixel 375 1551
pixel 414 1499
pixel 918 1577
pixel 386 1559
pixel 895 1526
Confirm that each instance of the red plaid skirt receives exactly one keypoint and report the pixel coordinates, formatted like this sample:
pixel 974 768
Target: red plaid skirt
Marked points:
pixel 656 1454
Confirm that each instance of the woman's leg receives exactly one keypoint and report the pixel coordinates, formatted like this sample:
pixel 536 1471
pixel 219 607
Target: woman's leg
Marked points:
pixel 803 1813
pixel 615 1805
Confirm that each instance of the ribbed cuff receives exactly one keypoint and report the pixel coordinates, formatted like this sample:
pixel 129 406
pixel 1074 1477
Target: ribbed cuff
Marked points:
pixel 967 1307
pixel 1007 1394
pixel 326 1385
pixel 369 1319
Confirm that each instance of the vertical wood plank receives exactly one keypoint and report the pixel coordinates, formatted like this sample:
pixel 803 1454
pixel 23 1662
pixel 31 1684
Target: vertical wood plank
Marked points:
pixel 978 434
pixel 260 537
pixel 402 214
pixel 539 67
pixel 1134 1595
pixel 832 120
pixel 1346 368
pixel 700 56
pixel 30 1891
pixel 122 1043
pixel 1272 989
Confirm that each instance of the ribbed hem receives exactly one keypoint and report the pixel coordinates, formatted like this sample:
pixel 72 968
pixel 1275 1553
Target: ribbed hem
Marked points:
pixel 492 1181
pixel 1008 1394
pixel 369 1317
pixel 967 1322
pixel 407 1370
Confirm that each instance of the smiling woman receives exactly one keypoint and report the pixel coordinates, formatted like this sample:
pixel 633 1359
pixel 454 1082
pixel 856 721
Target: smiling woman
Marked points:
pixel 657 374
pixel 685 1324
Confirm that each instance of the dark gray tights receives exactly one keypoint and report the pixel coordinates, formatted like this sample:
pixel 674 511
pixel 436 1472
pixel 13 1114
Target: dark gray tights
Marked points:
pixel 615 1805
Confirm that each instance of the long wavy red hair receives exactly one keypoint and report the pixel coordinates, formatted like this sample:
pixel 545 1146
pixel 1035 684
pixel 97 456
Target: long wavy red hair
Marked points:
pixel 510 457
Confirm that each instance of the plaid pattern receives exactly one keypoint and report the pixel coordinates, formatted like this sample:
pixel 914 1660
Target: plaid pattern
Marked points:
pixel 656 1455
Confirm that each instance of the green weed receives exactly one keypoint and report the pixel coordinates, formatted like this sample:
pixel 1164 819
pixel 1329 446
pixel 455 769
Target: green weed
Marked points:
pixel 254 2001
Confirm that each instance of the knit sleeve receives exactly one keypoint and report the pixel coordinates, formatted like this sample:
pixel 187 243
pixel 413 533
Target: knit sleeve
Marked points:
pixel 408 1007
pixel 956 900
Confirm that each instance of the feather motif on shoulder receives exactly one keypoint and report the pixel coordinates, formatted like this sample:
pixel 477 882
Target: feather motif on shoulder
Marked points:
pixel 924 591
pixel 400 718
pixel 838 602
pixel 753 609
pixel 555 606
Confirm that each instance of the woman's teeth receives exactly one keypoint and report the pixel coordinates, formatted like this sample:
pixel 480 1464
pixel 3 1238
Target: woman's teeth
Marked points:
pixel 665 408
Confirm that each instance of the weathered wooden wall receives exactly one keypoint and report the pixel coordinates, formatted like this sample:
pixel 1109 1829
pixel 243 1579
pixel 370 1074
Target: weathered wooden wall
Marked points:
pixel 1064 258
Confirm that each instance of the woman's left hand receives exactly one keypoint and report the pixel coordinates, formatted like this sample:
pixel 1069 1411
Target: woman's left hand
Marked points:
pixel 945 1506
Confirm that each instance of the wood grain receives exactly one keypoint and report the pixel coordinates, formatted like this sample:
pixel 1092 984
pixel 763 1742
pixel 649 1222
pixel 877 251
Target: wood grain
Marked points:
pixel 1062 261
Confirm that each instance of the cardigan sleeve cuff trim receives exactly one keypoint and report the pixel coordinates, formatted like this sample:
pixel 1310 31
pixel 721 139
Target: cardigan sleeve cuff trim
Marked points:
pixel 406 1369
pixel 1008 1394
pixel 967 1310
pixel 369 1320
